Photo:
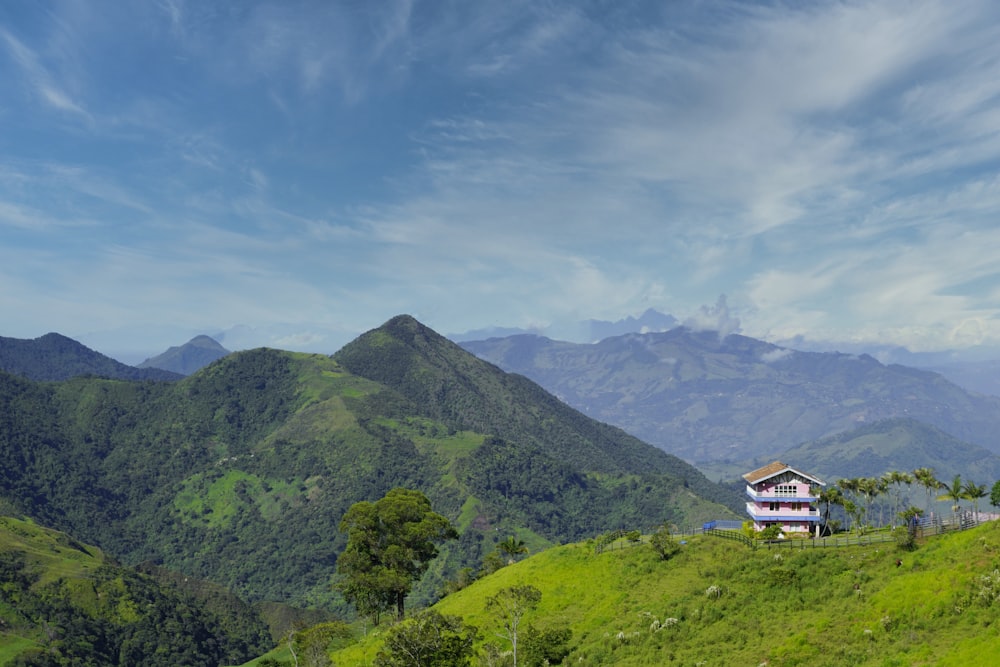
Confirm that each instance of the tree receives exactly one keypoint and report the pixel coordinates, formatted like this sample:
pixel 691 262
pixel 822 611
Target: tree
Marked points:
pixel 995 494
pixel 512 547
pixel 429 639
pixel 955 492
pixel 663 543
pixel 544 647
pixel 975 493
pixel 925 477
pixel 896 479
pixel 852 508
pixel 390 543
pixel 829 496
pixel 511 604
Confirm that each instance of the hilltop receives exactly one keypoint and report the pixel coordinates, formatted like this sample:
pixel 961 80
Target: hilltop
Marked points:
pixel 730 605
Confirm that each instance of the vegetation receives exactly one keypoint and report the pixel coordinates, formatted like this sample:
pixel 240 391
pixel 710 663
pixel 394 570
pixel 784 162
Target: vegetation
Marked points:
pixel 56 357
pixel 389 545
pixel 716 602
pixel 65 603
pixel 232 474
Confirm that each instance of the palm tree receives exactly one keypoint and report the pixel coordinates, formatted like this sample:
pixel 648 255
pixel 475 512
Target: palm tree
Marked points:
pixel 925 477
pixel 869 487
pixel 896 479
pixel 851 486
pixel 852 508
pixel 830 496
pixel 975 492
pixel 512 547
pixel 955 493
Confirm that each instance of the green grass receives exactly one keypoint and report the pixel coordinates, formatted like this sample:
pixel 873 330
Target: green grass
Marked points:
pixel 811 606
pixel 53 554
pixel 430 436
pixel 213 500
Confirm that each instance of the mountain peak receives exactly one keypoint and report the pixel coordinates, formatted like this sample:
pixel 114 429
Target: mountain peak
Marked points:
pixel 58 357
pixel 185 359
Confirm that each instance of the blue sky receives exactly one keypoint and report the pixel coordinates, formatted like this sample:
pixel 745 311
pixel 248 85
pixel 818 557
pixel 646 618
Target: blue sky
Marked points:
pixel 299 172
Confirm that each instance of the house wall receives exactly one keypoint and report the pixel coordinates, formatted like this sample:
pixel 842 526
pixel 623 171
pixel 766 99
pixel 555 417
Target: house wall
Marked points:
pixel 784 490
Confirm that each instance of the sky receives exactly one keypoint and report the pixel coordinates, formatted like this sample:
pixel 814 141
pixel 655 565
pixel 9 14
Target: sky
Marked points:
pixel 295 173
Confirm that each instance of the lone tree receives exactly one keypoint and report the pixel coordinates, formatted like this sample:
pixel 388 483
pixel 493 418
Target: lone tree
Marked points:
pixel 510 605
pixel 390 543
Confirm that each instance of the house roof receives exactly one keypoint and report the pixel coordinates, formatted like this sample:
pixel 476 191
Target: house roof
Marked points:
pixel 775 469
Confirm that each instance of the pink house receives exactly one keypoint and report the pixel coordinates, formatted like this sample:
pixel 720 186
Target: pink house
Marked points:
pixel 783 495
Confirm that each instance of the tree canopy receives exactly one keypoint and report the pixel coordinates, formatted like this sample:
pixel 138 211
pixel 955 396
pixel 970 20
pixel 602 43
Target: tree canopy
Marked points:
pixel 389 545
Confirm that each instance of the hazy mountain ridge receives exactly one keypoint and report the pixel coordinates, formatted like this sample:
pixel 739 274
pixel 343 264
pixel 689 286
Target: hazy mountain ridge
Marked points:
pixel 185 359
pixel 871 450
pixel 55 357
pixel 707 399
pixel 239 473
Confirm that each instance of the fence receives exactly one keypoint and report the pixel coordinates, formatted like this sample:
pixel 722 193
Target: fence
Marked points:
pixel 732 530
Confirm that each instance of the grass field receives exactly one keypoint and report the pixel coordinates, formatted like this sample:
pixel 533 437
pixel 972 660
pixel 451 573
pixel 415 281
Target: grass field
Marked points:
pixel 731 605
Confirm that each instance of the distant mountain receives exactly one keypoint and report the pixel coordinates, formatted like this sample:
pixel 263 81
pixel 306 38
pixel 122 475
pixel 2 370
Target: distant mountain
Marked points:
pixel 56 357
pixel 974 368
pixel 893 444
pixel 193 355
pixel 709 399
pixel 240 472
pixel 585 331
pixel 979 376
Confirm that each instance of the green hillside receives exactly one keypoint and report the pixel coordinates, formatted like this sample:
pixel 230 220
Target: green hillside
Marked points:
pixel 66 603
pixel 239 474
pixel 734 606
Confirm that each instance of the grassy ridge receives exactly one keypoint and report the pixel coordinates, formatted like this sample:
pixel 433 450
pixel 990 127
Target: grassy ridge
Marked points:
pixel 834 606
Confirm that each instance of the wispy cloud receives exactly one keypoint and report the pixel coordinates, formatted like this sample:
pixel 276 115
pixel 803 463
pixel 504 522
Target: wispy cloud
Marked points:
pixel 45 87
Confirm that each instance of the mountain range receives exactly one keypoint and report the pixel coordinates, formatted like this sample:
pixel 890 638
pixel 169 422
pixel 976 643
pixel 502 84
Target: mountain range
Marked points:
pixel 712 399
pixel 54 357
pixel 240 473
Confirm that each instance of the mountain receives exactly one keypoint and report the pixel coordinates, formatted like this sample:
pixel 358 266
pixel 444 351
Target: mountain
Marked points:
pixel 193 355
pixel 239 474
pixel 63 602
pixel 979 376
pixel 892 444
pixel 586 331
pixel 708 399
pixel 54 357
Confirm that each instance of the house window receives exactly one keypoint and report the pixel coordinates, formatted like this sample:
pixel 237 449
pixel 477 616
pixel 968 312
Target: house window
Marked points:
pixel 774 507
pixel 796 507
pixel 786 490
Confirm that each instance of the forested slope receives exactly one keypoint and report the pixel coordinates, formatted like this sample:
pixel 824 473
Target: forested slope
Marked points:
pixel 240 473
pixel 65 603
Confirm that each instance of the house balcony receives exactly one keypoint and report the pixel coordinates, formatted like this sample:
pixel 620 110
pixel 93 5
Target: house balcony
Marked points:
pixel 788 498
pixel 763 514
